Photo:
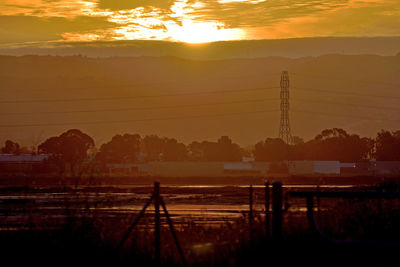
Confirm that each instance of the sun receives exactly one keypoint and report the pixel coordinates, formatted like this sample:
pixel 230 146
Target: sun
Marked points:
pixel 196 32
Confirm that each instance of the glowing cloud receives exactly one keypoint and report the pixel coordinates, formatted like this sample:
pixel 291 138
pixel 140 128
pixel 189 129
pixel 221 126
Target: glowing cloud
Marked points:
pixel 202 32
pixel 193 21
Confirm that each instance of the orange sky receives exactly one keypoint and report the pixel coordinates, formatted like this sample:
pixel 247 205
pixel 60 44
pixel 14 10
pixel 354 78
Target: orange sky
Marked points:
pixel 192 21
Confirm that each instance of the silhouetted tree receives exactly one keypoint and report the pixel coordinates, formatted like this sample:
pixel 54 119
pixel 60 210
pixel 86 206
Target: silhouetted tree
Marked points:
pixel 296 140
pixel 174 151
pixel 11 147
pixel 196 151
pixel 70 147
pixel 272 149
pixel 209 151
pixel 330 144
pixel 387 145
pixel 121 149
pixel 222 150
pixel 337 144
pixel 166 149
pixel 152 147
pixel 228 150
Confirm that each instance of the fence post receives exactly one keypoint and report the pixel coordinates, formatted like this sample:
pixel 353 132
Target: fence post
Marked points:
pixel 277 211
pixel 318 205
pixel 172 229
pixel 136 221
pixel 251 214
pixel 267 214
pixel 157 223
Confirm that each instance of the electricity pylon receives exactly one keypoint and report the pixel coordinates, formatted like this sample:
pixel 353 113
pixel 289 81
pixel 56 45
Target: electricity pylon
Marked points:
pixel 284 127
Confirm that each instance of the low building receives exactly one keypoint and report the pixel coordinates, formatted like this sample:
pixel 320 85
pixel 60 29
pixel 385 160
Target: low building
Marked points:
pixel 246 168
pixel 300 167
pixel 348 168
pixel 326 167
pixel 185 169
pixel 23 163
pixel 127 168
pixel 220 169
pixel 385 167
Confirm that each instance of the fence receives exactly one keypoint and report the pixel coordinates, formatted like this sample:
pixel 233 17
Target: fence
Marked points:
pixel 157 200
pixel 273 217
pixel 311 195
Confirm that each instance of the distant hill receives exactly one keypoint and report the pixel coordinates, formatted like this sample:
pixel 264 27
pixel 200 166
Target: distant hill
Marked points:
pixel 293 48
pixel 359 93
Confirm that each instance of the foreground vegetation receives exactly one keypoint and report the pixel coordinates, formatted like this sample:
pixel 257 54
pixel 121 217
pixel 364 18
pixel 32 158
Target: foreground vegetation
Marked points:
pixel 86 236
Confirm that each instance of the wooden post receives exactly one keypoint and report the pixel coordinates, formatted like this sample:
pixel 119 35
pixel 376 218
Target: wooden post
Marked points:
pixel 318 206
pixel 277 211
pixel 141 213
pixel 157 244
pixel 267 214
pixel 172 229
pixel 251 214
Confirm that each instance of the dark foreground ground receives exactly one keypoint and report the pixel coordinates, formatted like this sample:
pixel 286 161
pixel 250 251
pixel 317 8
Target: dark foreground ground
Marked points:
pixel 87 230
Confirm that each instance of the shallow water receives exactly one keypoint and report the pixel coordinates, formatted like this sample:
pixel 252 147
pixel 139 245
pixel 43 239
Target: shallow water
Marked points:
pixel 205 204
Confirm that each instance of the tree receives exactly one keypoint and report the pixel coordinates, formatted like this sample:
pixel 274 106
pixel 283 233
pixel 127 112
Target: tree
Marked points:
pixel 174 151
pixel 11 147
pixel 387 145
pixel 153 147
pixel 272 149
pixel 337 144
pixel 121 149
pixel 195 151
pixel 70 147
pixel 330 144
pixel 228 151
pixel 222 150
pixel 296 140
pixel 166 149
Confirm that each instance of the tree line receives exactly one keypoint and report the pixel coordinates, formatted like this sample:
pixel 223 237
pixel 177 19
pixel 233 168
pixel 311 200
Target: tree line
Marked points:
pixel 74 146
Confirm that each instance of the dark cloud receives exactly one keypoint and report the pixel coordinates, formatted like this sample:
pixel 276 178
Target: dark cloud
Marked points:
pixel 14 29
pixel 132 4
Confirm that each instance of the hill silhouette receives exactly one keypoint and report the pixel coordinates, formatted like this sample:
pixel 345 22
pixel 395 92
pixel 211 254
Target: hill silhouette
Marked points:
pixel 195 100
pixel 293 48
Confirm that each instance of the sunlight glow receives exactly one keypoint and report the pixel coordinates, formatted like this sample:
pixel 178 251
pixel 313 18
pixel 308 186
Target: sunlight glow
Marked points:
pixel 182 25
pixel 193 21
pixel 202 32
pixel 241 1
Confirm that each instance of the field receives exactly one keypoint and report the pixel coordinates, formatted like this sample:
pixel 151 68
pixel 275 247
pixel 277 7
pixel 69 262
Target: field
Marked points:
pixel 82 221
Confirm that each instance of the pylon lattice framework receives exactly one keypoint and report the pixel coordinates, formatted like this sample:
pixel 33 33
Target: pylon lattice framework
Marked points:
pixel 284 127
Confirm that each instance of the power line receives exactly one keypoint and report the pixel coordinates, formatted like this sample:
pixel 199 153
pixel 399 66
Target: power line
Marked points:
pixel 133 97
pixel 191 94
pixel 195 105
pixel 190 117
pixel 345 78
pixel 136 120
pixel 342 115
pixel 344 93
pixel 345 104
pixel 137 109
pixel 132 85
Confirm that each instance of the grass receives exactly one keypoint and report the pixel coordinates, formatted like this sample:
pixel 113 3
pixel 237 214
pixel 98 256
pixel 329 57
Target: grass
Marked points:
pixel 86 235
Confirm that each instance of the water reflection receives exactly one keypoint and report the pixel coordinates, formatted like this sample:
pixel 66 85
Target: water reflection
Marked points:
pixel 202 204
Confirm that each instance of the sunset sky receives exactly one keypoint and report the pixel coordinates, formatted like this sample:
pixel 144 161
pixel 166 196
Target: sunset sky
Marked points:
pixel 192 21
